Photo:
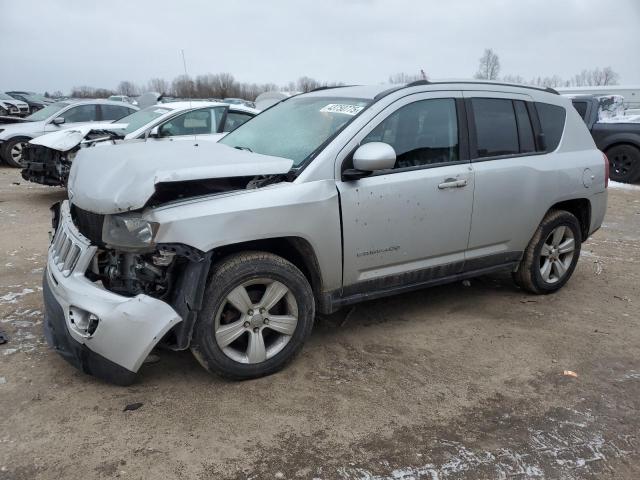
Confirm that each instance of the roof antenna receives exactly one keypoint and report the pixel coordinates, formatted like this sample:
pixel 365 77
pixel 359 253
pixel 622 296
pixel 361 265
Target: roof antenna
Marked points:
pixel 184 64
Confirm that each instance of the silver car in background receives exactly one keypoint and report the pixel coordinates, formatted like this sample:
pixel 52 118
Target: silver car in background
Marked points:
pixel 326 199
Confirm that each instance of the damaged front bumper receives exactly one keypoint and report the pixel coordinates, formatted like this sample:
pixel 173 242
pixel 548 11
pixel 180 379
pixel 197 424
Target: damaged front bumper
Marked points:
pixel 46 166
pixel 101 333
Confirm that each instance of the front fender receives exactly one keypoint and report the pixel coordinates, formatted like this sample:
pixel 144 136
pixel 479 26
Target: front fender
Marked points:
pixel 307 210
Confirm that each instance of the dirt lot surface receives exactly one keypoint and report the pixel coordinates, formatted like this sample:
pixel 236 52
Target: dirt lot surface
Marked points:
pixel 453 382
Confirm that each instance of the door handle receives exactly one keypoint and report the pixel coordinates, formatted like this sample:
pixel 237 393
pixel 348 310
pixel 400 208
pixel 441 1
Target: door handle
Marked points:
pixel 452 183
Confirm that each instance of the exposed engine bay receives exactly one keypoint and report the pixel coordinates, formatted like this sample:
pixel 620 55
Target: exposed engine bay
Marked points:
pixel 131 274
pixel 49 166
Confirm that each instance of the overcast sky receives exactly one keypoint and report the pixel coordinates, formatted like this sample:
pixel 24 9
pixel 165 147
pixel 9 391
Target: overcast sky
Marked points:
pixel 57 44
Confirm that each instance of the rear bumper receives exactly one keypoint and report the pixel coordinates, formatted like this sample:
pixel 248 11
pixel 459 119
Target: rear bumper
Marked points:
pixel 125 329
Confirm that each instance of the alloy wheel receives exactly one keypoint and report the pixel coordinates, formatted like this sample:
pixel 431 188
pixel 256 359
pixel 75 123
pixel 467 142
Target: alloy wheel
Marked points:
pixel 256 320
pixel 557 254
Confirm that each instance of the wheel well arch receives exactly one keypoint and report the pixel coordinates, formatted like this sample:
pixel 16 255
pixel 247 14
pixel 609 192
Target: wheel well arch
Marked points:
pixel 619 143
pixel 296 250
pixel 581 209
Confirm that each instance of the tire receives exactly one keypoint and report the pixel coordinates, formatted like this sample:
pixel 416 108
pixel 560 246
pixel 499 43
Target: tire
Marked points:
pixel 9 150
pixel 624 163
pixel 538 272
pixel 226 338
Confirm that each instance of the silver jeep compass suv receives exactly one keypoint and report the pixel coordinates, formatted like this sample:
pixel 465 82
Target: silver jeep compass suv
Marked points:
pixel 329 198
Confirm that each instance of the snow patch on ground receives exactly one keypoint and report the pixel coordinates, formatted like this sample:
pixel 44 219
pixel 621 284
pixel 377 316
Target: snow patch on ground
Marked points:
pixel 12 297
pixel 571 445
pixel 623 186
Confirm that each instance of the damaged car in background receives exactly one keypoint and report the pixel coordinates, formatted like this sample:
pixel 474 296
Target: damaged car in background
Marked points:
pixel 16 132
pixel 10 106
pixel 48 158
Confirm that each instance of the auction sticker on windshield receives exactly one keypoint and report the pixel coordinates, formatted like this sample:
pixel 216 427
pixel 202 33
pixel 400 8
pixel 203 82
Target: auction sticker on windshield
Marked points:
pixel 341 108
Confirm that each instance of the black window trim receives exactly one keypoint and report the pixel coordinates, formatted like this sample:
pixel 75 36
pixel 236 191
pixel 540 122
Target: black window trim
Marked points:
pixel 473 139
pixel 463 142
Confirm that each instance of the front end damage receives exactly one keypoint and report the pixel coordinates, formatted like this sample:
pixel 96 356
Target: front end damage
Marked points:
pixel 48 158
pixel 47 166
pixel 105 309
pixel 113 292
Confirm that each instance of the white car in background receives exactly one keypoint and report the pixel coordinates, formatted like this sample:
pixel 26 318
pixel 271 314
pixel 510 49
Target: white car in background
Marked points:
pixel 49 157
pixel 12 106
pixel 123 98
pixel 16 132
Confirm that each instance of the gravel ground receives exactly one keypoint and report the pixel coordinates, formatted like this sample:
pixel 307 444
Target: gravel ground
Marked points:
pixel 452 382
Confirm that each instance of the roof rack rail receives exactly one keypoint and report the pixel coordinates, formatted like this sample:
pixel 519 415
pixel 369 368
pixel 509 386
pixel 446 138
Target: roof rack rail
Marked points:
pixel 418 83
pixel 328 87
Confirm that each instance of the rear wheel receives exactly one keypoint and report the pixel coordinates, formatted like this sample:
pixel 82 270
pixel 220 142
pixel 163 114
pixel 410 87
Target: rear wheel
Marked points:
pixel 552 254
pixel 624 163
pixel 257 313
pixel 13 151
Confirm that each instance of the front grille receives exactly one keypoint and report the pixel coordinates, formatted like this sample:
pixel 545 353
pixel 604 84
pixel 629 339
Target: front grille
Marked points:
pixel 89 224
pixel 65 251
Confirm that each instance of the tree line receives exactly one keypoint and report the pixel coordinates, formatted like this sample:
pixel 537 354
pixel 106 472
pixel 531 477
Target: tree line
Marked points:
pixel 489 69
pixel 218 85
pixel 224 85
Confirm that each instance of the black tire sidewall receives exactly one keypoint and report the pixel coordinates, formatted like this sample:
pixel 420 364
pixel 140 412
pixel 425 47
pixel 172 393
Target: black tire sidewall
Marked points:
pixel 206 348
pixel 569 221
pixel 634 153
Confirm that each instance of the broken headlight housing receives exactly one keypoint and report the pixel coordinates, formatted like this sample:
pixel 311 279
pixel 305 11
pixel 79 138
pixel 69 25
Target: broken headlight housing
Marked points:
pixel 128 231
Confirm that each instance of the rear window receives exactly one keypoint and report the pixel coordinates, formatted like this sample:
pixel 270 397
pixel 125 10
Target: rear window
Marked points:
pixel 496 130
pixel 581 107
pixel 552 122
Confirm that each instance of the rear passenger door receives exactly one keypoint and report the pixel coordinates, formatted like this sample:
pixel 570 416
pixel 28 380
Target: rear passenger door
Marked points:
pixel 508 175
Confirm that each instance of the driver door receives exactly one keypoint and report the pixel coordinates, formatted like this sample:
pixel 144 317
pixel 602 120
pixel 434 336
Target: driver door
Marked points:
pixel 409 224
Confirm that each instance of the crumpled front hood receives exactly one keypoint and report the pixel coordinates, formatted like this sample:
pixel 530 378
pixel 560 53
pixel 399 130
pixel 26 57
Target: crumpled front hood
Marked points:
pixel 65 140
pixel 123 177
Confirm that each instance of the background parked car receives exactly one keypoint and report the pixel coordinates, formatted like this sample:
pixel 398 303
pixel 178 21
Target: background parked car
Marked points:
pixel 12 106
pixel 618 138
pixel 14 136
pixel 48 158
pixel 34 100
pixel 123 98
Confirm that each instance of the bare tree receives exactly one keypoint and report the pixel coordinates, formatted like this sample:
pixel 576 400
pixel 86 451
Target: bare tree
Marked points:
pixel 489 66
pixel 306 84
pixel 514 79
pixel 127 88
pixel 595 77
pixel 90 92
pixel 402 78
pixel 159 85
pixel 183 86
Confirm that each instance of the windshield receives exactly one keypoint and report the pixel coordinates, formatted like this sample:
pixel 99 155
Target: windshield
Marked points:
pixel 295 128
pixel 141 118
pixel 4 96
pixel 47 111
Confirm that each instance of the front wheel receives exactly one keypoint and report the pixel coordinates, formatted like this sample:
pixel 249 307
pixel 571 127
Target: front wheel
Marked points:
pixel 258 311
pixel 552 254
pixel 13 151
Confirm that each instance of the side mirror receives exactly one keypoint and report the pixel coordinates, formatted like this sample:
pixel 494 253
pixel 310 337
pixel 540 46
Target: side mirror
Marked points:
pixel 542 141
pixel 154 132
pixel 369 158
pixel 58 121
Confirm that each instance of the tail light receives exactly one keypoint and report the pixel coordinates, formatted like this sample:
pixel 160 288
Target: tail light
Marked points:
pixel 606 170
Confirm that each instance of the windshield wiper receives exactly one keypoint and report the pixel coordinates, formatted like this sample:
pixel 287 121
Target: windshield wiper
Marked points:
pixel 247 149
